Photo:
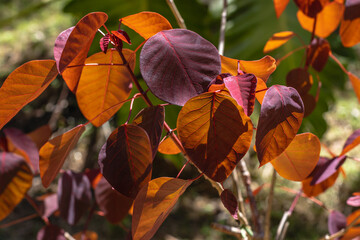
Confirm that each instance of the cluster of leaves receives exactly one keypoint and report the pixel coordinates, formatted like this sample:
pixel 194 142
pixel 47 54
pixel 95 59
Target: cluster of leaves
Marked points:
pixel 214 129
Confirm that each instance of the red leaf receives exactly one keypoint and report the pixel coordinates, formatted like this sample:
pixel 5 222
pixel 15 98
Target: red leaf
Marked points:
pixel 104 43
pixel 300 79
pixel 122 36
pixel 327 169
pixel 352 141
pixel 280 118
pixel 311 7
pixel 178 64
pixel 314 190
pixel 51 232
pixel 352 10
pixel 318 54
pixel 230 203
pixel 126 159
pixel 336 221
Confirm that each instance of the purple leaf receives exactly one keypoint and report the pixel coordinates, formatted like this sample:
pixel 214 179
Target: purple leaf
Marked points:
pixel 352 141
pixel 336 222
pixel 49 205
pixel 104 43
pixel 60 43
pixel 354 201
pixel 178 64
pixel 74 196
pixel 327 169
pixel 242 88
pixel 230 203
pixel 51 232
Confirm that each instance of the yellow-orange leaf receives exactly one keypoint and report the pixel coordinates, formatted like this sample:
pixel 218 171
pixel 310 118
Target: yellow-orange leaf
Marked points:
pixel 355 81
pixel 104 84
pixel 23 85
pixel 296 164
pixel 261 68
pixel 168 147
pixel 146 24
pixel 280 6
pixel 277 40
pixel 314 190
pixel 55 151
pixel 260 90
pixel 326 21
pixel 350 31
pixel 88 235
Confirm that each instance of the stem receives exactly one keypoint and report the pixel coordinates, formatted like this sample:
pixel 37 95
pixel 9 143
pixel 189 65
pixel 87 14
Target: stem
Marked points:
pixel 339 63
pixel 230 230
pixel 261 90
pixel 176 13
pixel 269 207
pixel 236 181
pixel 342 231
pixel 288 55
pixel 33 204
pixel 131 106
pixel 313 30
pixel 20 220
pixel 301 40
pixel 182 168
pixel 223 28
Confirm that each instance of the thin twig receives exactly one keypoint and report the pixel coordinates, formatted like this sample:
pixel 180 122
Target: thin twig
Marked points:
pixel 20 220
pixel 236 181
pixel 288 55
pixel 313 30
pixel 339 63
pixel 33 204
pixel 230 230
pixel 269 207
pixel 342 231
pixel 176 13
pixel 223 28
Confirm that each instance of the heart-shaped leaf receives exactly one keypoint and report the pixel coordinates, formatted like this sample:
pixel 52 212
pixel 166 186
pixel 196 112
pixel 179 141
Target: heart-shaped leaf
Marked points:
pixel 126 159
pixel 352 141
pixel 178 64
pixel 280 6
pixel 15 180
pixel 311 7
pixel 230 202
pixel 24 85
pixel 318 53
pixel 55 151
pixel 280 118
pixel 215 132
pixel 146 24
pixel 104 84
pixel 51 232
pixel 296 164
pixel 154 203
pixel 277 40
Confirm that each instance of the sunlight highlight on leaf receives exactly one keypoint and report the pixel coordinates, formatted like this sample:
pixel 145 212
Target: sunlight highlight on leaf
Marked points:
pixel 277 40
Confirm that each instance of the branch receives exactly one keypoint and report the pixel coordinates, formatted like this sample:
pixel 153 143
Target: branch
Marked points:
pixel 20 220
pixel 236 182
pixel 342 231
pixel 269 207
pixel 176 13
pixel 223 28
pixel 230 230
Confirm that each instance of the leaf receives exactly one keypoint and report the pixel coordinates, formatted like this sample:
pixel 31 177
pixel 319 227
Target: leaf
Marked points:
pixel 154 203
pixel 114 205
pixel 309 103
pixel 300 79
pixel 260 90
pixel 280 118
pixel 104 43
pixel 40 135
pixel 277 40
pixel 352 10
pixel 146 24
pixel 94 176
pixel 242 89
pixel 52 232
pixel 15 180
pixel 152 119
pixel 349 28
pixel 230 203
pixel 49 205
pixel 88 235
pixel 168 147
pixel 296 164
pixel 21 144
pixel 354 201
pixel 280 6
pixel 178 64
pixel 353 232
pixel 311 7
pixel 336 221
pixel 352 141
pixel 215 133
pixel 74 194
pixel 261 68
pixel 326 21
pixel 318 54
pixel 327 169
pixel 355 82
pixel 55 151
pixel 24 85
pixel 126 159
pixel 104 84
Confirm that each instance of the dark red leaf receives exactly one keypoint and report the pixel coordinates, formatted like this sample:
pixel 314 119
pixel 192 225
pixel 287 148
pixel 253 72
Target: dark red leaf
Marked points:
pixel 178 64
pixel 104 43
pixel 352 9
pixel 60 43
pixel 74 196
pixel 336 221
pixel 242 89
pixel 327 169
pixel 230 203
pixel 311 7
pixel 122 36
pixel 318 54
pixel 300 79
pixel 354 201
pixel 51 232
pixel 126 159
pixel 94 176
pixel 114 205
pixel 49 205
pixel 351 142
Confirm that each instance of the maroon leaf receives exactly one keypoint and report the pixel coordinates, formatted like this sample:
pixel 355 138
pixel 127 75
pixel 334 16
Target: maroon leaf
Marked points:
pixel 336 221
pixel 354 201
pixel 104 43
pixel 352 9
pixel 60 43
pixel 351 142
pixel 178 64
pixel 122 36
pixel 24 146
pixel 327 169
pixel 114 205
pixel 242 88
pixel 51 232
pixel 49 205
pixel 318 53
pixel 94 176
pixel 300 79
pixel 126 159
pixel 230 203
pixel 311 7
pixel 151 119
pixel 74 196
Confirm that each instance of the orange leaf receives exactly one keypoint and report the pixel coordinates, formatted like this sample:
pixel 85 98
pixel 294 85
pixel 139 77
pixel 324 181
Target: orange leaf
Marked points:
pixel 102 87
pixel 355 81
pixel 326 21
pixel 311 7
pixel 261 68
pixel 349 28
pixel 262 88
pixel 215 132
pixel 353 232
pixel 296 164
pixel 314 190
pixel 24 85
pixel 146 24
pixel 168 147
pixel 88 235
pixel 40 135
pixel 277 40
pixel 55 151
pixel 280 6
pixel 154 203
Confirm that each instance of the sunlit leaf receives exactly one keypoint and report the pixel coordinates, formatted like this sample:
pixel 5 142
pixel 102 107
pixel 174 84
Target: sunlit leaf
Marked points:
pixel 260 90
pixel 178 64
pixel 353 232
pixel 74 194
pixel 40 135
pixel 327 169
pixel 349 28
pixel 88 235
pixel 300 79
pixel 336 221
pixel 24 85
pixel 54 153
pixel 168 147
pixel 280 6
pixel 151 119
pixel 280 118
pixel 355 82
pixel 318 54
pixel 311 7
pixel 126 159
pixel 104 84
pixel 154 203
pixel 215 132
pixel 230 202
pixel 352 141
pixel 15 180
pixel 114 205
pixel 277 40
pixel 261 68
pixel 52 232
pixel 296 164
pixel 326 21
pixel 146 24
